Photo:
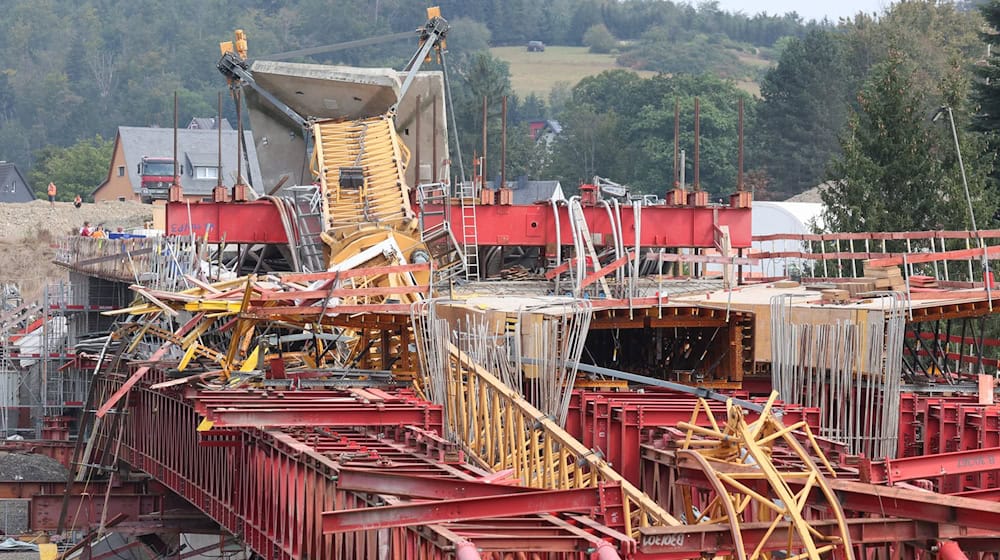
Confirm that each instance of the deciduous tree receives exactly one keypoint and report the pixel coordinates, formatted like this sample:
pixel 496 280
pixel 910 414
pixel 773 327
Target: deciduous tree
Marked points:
pixel 76 170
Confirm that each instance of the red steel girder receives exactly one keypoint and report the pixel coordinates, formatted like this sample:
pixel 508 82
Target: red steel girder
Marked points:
pixel 689 541
pixel 271 487
pixel 598 499
pixel 913 504
pixel 332 416
pixel 85 510
pixel 988 494
pixel 892 471
pixel 503 225
pixel 349 408
pixel 423 487
pixel 863 497
pixel 243 222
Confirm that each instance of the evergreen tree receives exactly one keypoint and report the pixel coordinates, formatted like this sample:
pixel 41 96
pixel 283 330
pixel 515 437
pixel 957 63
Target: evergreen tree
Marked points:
pixel 805 104
pixel 987 89
pixel 897 173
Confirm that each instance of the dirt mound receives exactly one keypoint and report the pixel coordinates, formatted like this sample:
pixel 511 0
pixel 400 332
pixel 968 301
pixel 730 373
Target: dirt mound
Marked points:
pixel 30 220
pixel 30 233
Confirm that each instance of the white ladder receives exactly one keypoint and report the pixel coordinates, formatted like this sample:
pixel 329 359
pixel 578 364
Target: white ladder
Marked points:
pixel 470 233
pixel 581 229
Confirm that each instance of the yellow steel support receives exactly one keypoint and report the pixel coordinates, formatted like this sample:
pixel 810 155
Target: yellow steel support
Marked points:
pixel 372 146
pixel 501 430
pixel 736 458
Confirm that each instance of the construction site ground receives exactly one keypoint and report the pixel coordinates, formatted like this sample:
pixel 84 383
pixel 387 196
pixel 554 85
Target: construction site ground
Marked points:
pixel 29 233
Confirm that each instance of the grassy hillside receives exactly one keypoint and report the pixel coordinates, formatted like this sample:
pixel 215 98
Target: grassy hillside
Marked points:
pixel 537 72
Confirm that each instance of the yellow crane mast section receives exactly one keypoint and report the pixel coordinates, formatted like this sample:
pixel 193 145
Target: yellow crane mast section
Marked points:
pixel 370 152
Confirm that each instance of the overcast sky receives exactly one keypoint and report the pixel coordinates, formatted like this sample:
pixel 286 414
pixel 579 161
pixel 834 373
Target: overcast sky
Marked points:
pixel 808 9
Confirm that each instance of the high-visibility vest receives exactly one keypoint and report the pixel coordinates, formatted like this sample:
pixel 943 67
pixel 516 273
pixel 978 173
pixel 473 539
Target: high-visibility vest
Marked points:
pixel 52 189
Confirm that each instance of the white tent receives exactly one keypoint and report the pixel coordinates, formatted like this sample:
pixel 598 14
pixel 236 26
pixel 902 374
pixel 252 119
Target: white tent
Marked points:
pixel 778 218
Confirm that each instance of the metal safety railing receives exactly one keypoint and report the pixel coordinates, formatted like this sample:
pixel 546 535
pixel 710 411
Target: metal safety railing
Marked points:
pixel 840 255
pixel 160 262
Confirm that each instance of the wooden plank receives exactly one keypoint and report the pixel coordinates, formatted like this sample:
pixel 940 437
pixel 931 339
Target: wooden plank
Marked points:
pixel 154 300
pixel 355 272
pixel 594 277
pixel 342 292
pixel 141 372
pixel 119 253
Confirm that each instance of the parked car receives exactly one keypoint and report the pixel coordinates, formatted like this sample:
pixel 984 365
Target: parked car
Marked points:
pixel 536 46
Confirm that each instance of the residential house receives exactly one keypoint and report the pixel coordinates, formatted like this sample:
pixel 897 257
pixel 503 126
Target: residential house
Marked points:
pixel 197 156
pixel 208 123
pixel 544 130
pixel 13 187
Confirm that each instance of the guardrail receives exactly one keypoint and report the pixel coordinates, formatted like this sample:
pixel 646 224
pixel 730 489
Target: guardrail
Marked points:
pixel 152 261
pixel 838 254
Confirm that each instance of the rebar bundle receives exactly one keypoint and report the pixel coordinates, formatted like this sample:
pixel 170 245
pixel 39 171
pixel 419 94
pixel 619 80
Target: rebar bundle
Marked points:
pixel 534 350
pixel 849 366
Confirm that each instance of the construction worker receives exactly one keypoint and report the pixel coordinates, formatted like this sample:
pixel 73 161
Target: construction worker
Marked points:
pixel 52 193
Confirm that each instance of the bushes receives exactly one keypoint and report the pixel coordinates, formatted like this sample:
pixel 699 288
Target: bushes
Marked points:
pixel 599 39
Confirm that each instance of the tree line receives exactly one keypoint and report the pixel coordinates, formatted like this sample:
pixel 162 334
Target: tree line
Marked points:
pixel 847 103
pixel 73 70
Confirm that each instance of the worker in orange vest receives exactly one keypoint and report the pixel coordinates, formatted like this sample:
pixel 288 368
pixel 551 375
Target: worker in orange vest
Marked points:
pixel 52 193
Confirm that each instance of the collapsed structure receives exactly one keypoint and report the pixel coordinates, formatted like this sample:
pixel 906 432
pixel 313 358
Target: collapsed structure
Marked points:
pixel 327 371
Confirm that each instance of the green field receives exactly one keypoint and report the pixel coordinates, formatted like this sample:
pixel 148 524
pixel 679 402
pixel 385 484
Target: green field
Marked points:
pixel 537 72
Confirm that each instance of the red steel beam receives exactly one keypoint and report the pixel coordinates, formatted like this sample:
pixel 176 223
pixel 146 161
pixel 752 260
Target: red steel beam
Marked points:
pixel 613 266
pixel 892 471
pixel 325 416
pixel 890 235
pixel 960 255
pixel 422 487
pixel 913 504
pixel 278 482
pixel 867 498
pixel 583 500
pixel 688 541
pixel 85 510
pixel 531 225
pixel 246 222
pixel 988 494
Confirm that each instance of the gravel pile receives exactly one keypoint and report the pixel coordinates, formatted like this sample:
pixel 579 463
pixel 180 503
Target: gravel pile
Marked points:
pixel 30 467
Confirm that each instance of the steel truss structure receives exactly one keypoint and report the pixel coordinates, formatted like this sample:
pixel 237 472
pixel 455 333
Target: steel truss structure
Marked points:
pixel 345 481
